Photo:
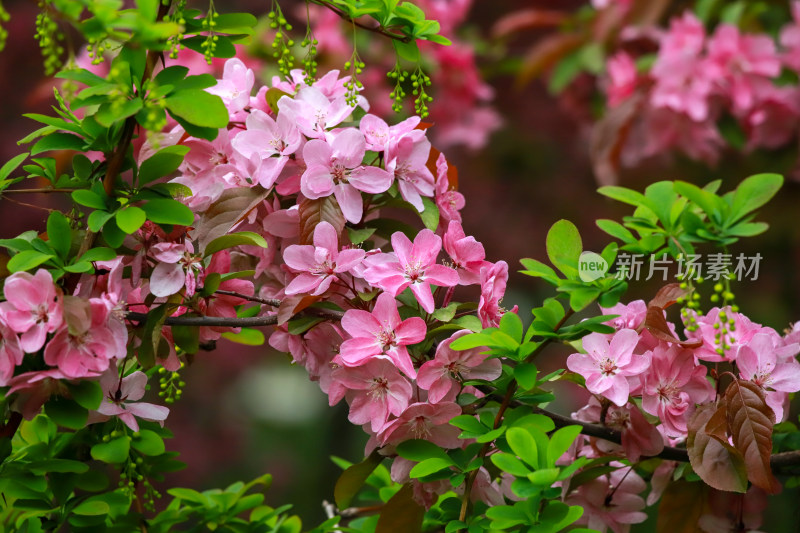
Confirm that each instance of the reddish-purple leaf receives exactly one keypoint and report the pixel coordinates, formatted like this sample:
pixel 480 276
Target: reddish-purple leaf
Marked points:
pixel 312 212
pixel 719 464
pixel 546 53
pixel 401 513
pixel 608 138
pixel 750 423
pixel 668 295
pixel 657 325
pixel 224 214
pixel 681 507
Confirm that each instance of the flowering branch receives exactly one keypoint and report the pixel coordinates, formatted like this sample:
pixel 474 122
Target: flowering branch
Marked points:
pixel 375 29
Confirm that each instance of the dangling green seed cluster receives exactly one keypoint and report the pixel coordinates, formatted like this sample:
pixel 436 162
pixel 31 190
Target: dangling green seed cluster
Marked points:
pixel 723 337
pixel 133 472
pixel 49 36
pixel 170 385
pixel 690 309
pixel 420 80
pixel 282 43
pixel 398 94
pixel 310 59
pixel 95 48
pixel 210 44
pixel 722 292
pixel 4 17
pixel 178 17
pixel 353 85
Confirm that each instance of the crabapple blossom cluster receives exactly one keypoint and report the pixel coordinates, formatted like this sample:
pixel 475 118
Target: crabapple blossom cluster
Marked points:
pixel 700 78
pixel 648 389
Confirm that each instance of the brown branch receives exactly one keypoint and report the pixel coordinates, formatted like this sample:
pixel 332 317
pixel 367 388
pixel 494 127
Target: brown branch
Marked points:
pixel 274 302
pixel 235 322
pixel 35 191
pixel 375 29
pixel 498 419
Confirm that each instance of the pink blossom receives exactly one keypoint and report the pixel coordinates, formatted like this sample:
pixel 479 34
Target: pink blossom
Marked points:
pixel 11 353
pixel 406 159
pixel 415 267
pixel 639 437
pixel 790 39
pixel 622 78
pixel 738 331
pixel 336 169
pixel 442 376
pixel 84 345
pixel 494 278
pixel 381 334
pixel 235 86
pixel 606 366
pixel 121 400
pixel 631 315
pixel 449 201
pixel 467 254
pixel 611 501
pixel 33 389
pixel 33 307
pixel 313 112
pixel 319 264
pixel 177 267
pixel 424 421
pixel 378 134
pixel 672 386
pixel 271 142
pixel 665 129
pixel 759 362
pixel 771 121
pixel 739 62
pixel 374 391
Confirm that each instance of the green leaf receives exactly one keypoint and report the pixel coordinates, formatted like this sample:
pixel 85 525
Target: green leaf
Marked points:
pixel 300 325
pixel 166 211
pixel 59 233
pixel 187 338
pixel 235 23
pixel 91 508
pixel 148 442
pixel 560 441
pixel 112 112
pixel 470 425
pixel 353 478
pixel 526 375
pixel 511 325
pixel 430 466
pixel 97 220
pixel 11 165
pixel 242 238
pixel 430 215
pixel 198 107
pixel 623 194
pixel 27 260
pixel 98 254
pixel 66 413
pixel 88 394
pixel 130 219
pixel 508 463
pixel 408 51
pixel 524 445
pixel 357 236
pixel 114 451
pixel 162 163
pixel 472 340
pixel 754 192
pixel 446 314
pixel 89 199
pixel 419 450
pixel 564 247
pixel 544 476
pixel 248 337
pixel 58 141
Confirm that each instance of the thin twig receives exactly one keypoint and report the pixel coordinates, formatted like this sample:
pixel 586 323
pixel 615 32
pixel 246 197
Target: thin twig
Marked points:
pixel 375 29
pixel 26 204
pixel 43 190
pixel 274 302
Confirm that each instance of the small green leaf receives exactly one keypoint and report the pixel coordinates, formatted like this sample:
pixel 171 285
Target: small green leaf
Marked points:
pixel 11 165
pixel 91 508
pixel 508 463
pixel 198 107
pixel 114 451
pixel 166 211
pixel 130 219
pixel 560 441
pixel 27 260
pixel 242 238
pixel 59 233
pixel 430 466
pixel 66 413
pixel 187 338
pixel 419 450
pixel 353 478
pixel 753 193
pixel 162 163
pixel 88 394
pixel 511 325
pixel 430 215
pixel 524 445
pixel 408 51
pixel 148 442
pixel 248 337
pixel 357 236
pixel 526 375
pixel 58 141
pixel 98 254
pixel 89 199
pixel 564 247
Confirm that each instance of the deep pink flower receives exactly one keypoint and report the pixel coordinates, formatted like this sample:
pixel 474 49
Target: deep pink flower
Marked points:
pixel 84 345
pixel 759 361
pixel 672 386
pixel 606 366
pixel 424 421
pixel 271 142
pixel 336 169
pixel 406 159
pixel 374 391
pixel 449 201
pixel 790 39
pixel 467 254
pixel 494 278
pixel 415 267
pixel 33 307
pixel 120 399
pixel 442 376
pixel 738 331
pixel 11 353
pixel 319 264
pixel 631 315
pixel 381 334
pixel 622 78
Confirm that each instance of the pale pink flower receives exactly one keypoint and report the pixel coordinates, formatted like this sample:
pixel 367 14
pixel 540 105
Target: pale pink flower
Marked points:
pixel 415 267
pixel 235 86
pixel 467 254
pixel 449 201
pixel 424 421
pixel 319 264
pixel 611 501
pixel 381 334
pixel 378 134
pixel 120 399
pixel 606 366
pixel 33 307
pixel 759 361
pixel 271 142
pixel 672 386
pixel 442 376
pixel 11 353
pixel 738 331
pixel 494 278
pixel 374 391
pixel 178 267
pixel 622 78
pixel 631 315
pixel 313 112
pixel 337 169
pixel 84 345
pixel 406 159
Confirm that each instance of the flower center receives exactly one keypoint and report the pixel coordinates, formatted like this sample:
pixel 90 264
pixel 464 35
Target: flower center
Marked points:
pixel 607 367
